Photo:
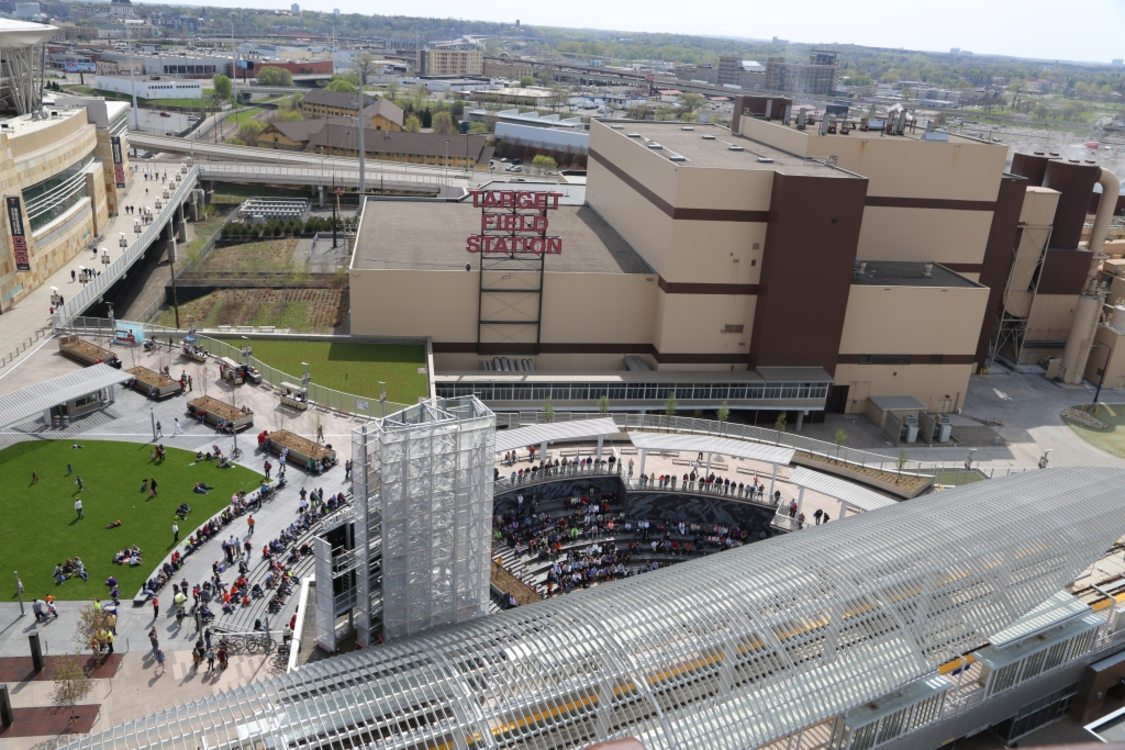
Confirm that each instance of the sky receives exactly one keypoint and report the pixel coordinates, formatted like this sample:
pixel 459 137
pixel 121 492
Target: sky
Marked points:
pixel 1093 30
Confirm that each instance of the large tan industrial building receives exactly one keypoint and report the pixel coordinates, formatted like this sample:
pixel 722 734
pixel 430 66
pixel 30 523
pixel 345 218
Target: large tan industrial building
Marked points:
pixel 779 266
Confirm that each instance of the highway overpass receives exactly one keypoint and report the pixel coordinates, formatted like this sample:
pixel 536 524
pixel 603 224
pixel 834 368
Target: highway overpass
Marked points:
pixel 203 153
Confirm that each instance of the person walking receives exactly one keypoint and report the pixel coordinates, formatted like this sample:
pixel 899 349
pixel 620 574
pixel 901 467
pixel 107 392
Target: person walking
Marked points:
pixel 177 429
pixel 35 477
pixel 69 470
pixel 159 429
pixel 250 525
pixel 160 659
pixel 78 509
pixel 175 532
pixel 78 481
pixel 268 467
pixel 155 609
pixel 152 639
pixel 210 659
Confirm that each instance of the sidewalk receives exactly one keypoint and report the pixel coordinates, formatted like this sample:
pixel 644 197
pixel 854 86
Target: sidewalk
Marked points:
pixel 32 314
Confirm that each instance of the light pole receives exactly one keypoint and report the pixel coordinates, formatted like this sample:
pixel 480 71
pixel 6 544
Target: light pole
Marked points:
pixel 152 416
pixel 19 592
pixel 1101 378
pixel 382 399
pixel 132 79
pixel 445 166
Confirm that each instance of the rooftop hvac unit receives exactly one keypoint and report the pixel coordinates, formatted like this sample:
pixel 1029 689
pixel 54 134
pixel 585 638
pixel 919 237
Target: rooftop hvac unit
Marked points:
pixel 909 429
pixel 655 146
pixel 632 135
pixel 687 127
pixel 708 137
pixel 765 160
pixel 733 147
pixel 944 428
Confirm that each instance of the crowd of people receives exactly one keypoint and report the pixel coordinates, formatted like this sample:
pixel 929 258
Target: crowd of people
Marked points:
pixel 555 468
pixel 618 545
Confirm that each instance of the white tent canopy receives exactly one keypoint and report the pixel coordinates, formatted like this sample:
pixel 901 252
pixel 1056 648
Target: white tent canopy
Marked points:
pixel 707 444
pixel 539 434
pixel 849 493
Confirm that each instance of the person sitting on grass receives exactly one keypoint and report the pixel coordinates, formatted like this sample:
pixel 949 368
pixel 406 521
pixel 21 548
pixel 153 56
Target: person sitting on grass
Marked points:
pixel 113 524
pixel 144 485
pixel 202 488
pixel 60 576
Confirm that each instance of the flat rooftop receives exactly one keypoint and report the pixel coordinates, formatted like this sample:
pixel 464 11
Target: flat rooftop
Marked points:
pixel 905 273
pixel 431 236
pixel 17 125
pixel 716 147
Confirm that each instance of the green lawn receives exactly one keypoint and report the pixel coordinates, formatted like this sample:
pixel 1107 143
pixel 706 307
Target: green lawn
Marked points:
pixel 1111 440
pixel 243 115
pixel 352 367
pixel 41 528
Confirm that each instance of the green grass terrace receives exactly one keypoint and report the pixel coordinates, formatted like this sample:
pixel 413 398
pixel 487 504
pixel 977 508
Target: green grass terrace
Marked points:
pixel 41 527
pixel 352 367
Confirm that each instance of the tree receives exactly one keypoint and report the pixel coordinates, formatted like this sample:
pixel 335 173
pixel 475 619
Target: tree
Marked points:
pixel 670 405
pixel 347 83
pixel 603 405
pixel 723 414
pixel 71 683
pixel 548 411
pixel 442 124
pixel 249 131
pixel 412 124
pixel 545 163
pixel 690 102
pixel 841 438
pixel 637 111
pixel 903 457
pixel 478 128
pixel 781 423
pixel 93 623
pixel 526 81
pixel 222 86
pixel 270 76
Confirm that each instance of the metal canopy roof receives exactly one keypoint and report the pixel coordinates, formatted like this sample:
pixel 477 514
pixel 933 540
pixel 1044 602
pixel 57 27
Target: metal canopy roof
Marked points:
pixel 708 444
pixel 726 652
pixel 20 34
pixel 851 494
pixel 536 435
pixel 1062 606
pixel 33 400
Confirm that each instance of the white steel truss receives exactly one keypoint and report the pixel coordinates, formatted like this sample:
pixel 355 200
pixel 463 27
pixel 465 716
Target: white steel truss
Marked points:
pixel 730 651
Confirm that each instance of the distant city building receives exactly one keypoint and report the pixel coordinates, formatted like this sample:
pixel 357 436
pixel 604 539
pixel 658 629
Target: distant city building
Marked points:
pixel 121 9
pixel 450 62
pixel 294 8
pixel 495 67
pixel 817 76
pixel 164 88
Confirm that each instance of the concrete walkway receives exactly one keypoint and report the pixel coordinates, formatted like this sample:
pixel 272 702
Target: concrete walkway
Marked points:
pixel 28 318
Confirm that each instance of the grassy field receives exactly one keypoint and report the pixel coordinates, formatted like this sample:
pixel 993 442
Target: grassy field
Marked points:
pixel 41 527
pixel 244 115
pixel 352 367
pixel 1111 440
pixel 264 255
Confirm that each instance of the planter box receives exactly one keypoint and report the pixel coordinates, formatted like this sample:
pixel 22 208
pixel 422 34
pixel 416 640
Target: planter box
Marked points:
pixel 910 485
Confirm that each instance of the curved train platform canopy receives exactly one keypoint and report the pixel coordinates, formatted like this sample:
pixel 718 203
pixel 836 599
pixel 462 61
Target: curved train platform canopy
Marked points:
pixel 729 651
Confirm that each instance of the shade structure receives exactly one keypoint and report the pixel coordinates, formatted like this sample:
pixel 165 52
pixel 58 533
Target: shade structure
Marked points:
pixel 538 434
pixel 709 444
pixel 729 651
pixel 849 493
pixel 33 400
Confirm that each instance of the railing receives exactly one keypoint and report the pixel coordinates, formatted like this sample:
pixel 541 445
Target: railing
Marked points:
pixel 98 285
pixel 551 474
pixel 687 425
pixel 319 175
pixel 24 345
pixel 325 398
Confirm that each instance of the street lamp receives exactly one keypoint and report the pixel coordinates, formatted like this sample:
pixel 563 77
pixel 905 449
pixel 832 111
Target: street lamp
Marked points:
pixel 1101 378
pixel 445 166
pixel 19 591
pixel 152 416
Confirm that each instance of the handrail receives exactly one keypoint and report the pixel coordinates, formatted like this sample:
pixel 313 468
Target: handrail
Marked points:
pixel 98 285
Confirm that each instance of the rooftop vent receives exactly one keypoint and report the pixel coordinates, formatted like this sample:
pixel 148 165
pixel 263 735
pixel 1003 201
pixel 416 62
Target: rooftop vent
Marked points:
pixel 708 137
pixel 765 160
pixel 618 127
pixel 687 127
pixel 733 147
pixel 655 146
pixel 632 135
pixel 677 157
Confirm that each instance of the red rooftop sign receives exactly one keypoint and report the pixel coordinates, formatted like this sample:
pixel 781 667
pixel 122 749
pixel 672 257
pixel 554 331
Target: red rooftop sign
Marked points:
pixel 514 222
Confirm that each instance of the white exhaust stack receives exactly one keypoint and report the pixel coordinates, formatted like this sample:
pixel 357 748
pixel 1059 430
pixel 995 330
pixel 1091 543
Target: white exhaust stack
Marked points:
pixel 1088 313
